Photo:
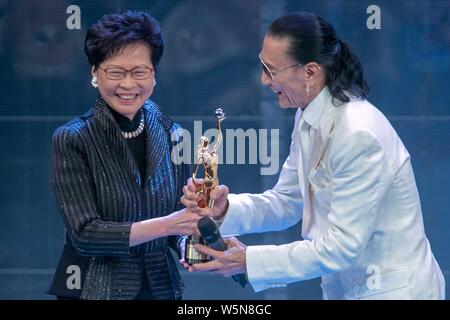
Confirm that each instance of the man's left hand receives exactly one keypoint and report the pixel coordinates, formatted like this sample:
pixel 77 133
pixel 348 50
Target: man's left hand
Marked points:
pixel 226 263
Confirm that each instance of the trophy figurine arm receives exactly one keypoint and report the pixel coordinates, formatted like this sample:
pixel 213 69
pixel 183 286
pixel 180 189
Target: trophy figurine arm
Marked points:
pixel 194 173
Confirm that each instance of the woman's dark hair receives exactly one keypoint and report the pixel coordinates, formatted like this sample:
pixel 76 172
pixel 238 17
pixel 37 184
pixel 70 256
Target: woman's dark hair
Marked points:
pixel 314 39
pixel 113 32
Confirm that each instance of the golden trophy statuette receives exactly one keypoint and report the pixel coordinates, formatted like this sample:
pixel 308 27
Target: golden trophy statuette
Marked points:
pixel 207 158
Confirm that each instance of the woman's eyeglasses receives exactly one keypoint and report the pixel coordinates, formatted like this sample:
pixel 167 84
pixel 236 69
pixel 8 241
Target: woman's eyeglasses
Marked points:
pixel 138 73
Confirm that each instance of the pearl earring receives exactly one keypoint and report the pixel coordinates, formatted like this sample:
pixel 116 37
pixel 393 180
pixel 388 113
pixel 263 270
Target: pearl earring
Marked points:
pixel 94 82
pixel 307 91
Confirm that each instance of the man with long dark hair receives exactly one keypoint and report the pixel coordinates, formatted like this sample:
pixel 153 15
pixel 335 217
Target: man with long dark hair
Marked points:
pixel 349 171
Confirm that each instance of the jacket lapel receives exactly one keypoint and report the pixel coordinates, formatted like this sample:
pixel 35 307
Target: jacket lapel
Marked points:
pixel 156 137
pixel 110 143
pixel 322 137
pixel 296 140
pixel 320 142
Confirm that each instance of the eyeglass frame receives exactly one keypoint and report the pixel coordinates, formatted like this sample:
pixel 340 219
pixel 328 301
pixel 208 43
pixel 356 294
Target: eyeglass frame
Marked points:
pixel 105 70
pixel 274 73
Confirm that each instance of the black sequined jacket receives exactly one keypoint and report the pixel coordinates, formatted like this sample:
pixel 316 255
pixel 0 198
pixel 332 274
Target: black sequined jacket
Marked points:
pixel 100 193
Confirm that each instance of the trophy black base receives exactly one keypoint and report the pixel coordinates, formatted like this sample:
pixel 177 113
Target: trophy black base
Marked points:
pixel 192 256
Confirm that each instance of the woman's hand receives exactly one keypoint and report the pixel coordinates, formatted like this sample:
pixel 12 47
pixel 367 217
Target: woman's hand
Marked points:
pixel 219 194
pixel 183 222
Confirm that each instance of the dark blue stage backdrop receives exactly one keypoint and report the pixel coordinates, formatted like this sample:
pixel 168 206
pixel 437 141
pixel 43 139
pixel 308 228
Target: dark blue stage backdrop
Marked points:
pixel 211 60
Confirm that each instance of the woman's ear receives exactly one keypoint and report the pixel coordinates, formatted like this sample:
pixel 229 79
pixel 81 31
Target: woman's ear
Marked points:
pixel 94 71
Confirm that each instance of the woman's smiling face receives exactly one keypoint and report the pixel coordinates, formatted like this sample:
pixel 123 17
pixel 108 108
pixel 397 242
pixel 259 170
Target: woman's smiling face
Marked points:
pixel 129 94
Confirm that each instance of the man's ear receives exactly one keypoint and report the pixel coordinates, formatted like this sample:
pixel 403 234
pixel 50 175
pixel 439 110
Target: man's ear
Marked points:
pixel 312 70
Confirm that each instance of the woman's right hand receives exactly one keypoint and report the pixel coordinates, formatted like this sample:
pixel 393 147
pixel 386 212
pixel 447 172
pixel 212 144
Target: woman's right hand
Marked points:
pixel 219 194
pixel 178 223
pixel 183 222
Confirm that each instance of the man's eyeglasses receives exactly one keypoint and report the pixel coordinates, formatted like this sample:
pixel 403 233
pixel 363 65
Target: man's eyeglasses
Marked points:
pixel 272 74
pixel 138 73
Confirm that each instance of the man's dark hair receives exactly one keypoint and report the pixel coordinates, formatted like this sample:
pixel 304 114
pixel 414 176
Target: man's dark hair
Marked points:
pixel 113 32
pixel 313 39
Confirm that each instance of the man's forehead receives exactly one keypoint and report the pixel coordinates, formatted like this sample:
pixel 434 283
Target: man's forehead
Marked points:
pixel 274 51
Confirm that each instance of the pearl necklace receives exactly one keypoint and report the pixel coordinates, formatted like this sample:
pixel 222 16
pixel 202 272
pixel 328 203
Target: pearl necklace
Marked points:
pixel 137 132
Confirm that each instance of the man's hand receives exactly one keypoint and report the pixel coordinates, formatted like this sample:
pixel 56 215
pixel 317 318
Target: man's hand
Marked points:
pixel 227 263
pixel 219 194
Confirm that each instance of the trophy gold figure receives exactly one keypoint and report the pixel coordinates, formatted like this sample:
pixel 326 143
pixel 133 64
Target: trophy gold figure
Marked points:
pixel 207 158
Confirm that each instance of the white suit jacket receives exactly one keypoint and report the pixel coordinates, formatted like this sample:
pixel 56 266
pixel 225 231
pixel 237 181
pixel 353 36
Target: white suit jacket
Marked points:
pixel 362 222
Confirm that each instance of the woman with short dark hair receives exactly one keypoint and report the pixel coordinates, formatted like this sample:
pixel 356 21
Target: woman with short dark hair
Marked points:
pixel 116 185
